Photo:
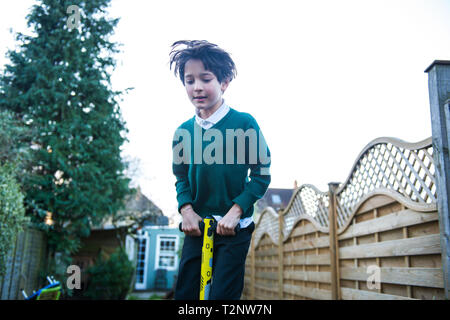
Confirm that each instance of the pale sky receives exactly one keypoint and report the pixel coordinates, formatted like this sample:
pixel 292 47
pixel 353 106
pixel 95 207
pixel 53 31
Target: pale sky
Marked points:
pixel 322 78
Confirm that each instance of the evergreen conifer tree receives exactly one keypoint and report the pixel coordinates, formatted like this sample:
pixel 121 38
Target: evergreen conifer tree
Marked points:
pixel 58 84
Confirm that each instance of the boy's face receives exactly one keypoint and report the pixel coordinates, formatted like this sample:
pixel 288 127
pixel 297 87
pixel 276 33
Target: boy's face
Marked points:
pixel 203 89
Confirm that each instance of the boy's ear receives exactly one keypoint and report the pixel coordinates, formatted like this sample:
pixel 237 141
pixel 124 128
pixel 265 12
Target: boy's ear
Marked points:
pixel 224 85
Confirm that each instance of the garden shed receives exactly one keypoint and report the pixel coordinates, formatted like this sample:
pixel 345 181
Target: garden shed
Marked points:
pixel 159 250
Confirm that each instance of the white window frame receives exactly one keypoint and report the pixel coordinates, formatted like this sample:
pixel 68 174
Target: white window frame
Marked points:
pixel 175 253
pixel 143 235
pixel 130 247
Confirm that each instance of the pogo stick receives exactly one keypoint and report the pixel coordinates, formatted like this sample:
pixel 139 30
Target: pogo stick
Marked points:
pixel 209 226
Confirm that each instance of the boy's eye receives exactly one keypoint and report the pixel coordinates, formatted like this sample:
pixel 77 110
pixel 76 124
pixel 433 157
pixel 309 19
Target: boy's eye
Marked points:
pixel 192 81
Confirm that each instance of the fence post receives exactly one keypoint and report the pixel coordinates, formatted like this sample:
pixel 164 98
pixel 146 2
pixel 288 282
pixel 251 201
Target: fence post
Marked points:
pixel 334 258
pixel 280 254
pixel 439 94
pixel 25 263
pixel 252 269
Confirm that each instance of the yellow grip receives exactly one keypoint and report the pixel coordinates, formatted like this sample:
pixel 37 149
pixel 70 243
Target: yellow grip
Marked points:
pixel 207 259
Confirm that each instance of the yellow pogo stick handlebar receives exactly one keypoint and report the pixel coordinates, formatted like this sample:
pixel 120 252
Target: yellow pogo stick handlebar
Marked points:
pixel 209 226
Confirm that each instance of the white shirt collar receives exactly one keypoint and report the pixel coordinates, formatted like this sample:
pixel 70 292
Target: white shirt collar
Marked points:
pixel 214 118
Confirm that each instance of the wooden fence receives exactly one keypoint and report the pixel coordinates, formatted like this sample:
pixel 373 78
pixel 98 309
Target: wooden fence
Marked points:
pixel 376 236
pixel 23 265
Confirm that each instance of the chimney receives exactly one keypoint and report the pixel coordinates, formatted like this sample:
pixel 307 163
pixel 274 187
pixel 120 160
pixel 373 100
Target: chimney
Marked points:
pixel 295 184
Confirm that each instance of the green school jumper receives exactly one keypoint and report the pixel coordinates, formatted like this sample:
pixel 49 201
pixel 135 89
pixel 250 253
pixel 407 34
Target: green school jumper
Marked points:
pixel 212 165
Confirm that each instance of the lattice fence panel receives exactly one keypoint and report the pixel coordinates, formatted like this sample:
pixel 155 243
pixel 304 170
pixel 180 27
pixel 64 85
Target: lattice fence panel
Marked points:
pixel 390 166
pixel 307 202
pixel 267 223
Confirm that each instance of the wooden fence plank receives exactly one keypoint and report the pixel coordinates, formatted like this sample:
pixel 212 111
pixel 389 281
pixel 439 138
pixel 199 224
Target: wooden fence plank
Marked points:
pixel 392 221
pixel 403 247
pixel 302 230
pixel 266 252
pixel 312 293
pixel 354 294
pixel 265 240
pixel 375 202
pixel 267 275
pixel 313 276
pixel 425 277
pixel 322 242
pixel 260 286
pixel 321 259
pixel 266 263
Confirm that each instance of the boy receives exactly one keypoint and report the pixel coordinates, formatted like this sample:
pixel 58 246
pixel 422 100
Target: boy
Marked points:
pixel 212 178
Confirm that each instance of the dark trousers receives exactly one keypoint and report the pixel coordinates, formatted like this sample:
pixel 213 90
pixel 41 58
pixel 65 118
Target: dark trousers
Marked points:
pixel 229 257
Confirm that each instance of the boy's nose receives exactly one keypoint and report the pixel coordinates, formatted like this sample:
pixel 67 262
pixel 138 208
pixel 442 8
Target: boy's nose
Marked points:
pixel 198 86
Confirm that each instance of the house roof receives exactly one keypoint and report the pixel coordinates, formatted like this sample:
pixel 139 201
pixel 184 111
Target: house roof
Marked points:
pixel 139 203
pixel 276 198
pixel 138 209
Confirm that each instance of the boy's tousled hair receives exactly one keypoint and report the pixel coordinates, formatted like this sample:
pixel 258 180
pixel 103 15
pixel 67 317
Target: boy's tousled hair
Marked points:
pixel 214 58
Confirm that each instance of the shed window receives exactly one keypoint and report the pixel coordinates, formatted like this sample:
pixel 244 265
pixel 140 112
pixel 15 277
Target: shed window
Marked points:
pixel 167 252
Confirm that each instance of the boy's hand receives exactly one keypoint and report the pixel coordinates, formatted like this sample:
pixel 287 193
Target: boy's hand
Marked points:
pixel 190 221
pixel 226 225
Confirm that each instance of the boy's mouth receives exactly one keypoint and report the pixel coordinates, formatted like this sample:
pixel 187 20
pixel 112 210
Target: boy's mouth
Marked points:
pixel 199 98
